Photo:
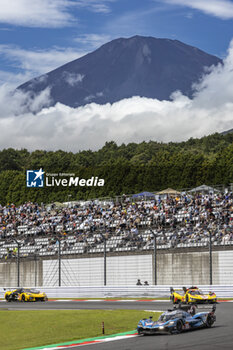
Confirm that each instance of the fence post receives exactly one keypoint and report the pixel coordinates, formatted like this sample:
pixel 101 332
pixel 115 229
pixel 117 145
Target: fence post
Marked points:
pixel 18 262
pixel 105 259
pixel 35 260
pixel 210 256
pixel 59 262
pixel 155 257
pixel 105 263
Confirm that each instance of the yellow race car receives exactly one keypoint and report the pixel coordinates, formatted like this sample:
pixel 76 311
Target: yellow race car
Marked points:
pixel 24 294
pixel 191 295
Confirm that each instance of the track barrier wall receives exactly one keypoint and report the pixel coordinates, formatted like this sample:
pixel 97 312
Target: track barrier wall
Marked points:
pixel 124 292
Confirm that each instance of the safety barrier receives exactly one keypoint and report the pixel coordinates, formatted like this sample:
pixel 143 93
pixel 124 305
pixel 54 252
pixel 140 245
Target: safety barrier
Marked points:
pixel 123 292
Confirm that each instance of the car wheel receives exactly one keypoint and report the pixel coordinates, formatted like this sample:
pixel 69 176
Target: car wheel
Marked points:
pixel 8 298
pixel 187 299
pixel 209 321
pixel 139 331
pixel 179 326
pixel 23 298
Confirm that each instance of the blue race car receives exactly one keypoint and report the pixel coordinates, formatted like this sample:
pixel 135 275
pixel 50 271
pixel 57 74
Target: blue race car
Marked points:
pixel 178 320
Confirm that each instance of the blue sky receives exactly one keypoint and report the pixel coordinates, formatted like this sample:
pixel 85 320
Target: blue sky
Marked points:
pixel 40 35
pixel 37 36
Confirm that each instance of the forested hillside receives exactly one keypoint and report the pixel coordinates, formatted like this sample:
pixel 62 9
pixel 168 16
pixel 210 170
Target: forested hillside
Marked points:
pixel 128 168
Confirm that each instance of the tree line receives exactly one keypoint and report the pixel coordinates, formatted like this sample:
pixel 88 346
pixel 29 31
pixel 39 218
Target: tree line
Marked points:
pixel 126 169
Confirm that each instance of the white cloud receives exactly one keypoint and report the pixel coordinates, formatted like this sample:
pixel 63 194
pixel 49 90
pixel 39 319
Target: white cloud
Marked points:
pixel 17 103
pixel 14 79
pixel 92 41
pixel 47 13
pixel 37 13
pixel 89 98
pixel 36 62
pixel 130 120
pixel 99 6
pixel 72 78
pixel 218 8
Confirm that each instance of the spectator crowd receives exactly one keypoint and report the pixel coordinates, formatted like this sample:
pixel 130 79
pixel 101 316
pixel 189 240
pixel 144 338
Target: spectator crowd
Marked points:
pixel 177 221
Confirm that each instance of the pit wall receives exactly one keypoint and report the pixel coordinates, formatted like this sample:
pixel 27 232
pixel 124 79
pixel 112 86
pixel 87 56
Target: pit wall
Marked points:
pixel 187 268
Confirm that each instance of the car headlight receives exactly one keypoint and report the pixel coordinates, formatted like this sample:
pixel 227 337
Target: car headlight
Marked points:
pixel 172 322
pixel 161 327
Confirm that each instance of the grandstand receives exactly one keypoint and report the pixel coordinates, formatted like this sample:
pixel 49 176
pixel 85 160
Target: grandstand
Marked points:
pixel 179 222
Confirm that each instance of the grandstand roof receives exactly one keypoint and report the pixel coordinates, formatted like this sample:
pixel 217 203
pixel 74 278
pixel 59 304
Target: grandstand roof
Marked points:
pixel 143 194
pixel 169 191
pixel 204 188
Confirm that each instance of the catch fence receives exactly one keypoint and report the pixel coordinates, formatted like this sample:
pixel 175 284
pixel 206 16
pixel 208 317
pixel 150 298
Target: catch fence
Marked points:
pixel 205 264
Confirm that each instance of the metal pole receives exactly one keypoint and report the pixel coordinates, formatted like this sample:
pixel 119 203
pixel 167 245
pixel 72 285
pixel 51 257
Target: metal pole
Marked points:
pixel 59 263
pixel 18 264
pixel 35 270
pixel 210 256
pixel 18 261
pixel 105 263
pixel 155 259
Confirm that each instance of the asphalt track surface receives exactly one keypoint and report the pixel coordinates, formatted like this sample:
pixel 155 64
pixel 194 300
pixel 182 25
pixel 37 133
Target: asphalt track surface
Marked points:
pixel 219 337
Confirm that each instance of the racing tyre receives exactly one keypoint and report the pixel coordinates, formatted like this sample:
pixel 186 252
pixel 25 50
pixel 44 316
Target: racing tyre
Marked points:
pixel 23 298
pixel 209 321
pixel 8 299
pixel 187 299
pixel 179 326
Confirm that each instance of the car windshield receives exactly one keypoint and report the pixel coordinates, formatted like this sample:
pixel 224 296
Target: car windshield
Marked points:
pixel 196 292
pixel 166 317
pixel 32 291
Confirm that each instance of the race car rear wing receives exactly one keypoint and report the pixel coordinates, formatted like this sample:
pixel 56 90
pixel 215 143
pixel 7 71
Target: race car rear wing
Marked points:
pixel 206 307
pixel 184 289
pixel 210 308
pixel 192 309
pixel 175 290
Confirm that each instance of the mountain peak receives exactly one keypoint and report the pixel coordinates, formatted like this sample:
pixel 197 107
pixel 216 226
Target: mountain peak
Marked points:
pixel 125 67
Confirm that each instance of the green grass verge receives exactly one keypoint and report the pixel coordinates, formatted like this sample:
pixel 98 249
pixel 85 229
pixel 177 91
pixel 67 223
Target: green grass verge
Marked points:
pixel 25 329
